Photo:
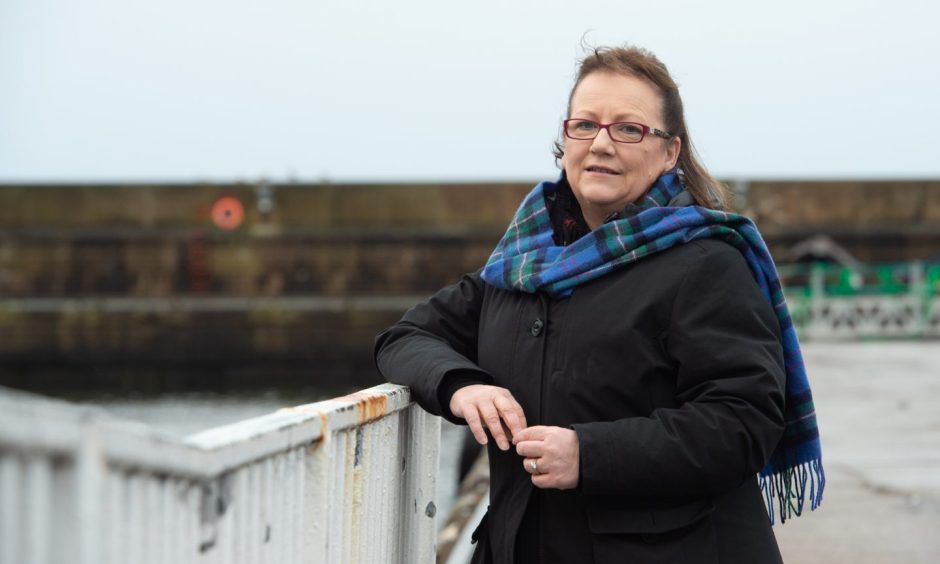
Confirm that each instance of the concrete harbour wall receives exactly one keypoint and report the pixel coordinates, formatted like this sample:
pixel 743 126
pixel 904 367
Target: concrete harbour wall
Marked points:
pixel 104 279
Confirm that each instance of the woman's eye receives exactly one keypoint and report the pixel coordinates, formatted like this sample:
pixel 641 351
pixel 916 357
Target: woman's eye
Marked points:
pixel 585 126
pixel 629 129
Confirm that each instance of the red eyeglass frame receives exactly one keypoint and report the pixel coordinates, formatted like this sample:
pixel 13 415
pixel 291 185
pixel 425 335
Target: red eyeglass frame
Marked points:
pixel 645 128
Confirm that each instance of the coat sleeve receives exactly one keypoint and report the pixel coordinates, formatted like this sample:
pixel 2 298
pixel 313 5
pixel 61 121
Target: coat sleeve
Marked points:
pixel 433 349
pixel 725 340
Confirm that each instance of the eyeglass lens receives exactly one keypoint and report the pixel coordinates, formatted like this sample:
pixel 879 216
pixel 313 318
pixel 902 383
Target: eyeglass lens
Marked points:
pixel 585 129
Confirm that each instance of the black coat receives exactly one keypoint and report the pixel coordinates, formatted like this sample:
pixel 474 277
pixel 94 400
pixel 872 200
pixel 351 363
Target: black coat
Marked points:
pixel 671 372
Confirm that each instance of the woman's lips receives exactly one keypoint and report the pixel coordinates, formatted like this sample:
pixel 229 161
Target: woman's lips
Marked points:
pixel 601 171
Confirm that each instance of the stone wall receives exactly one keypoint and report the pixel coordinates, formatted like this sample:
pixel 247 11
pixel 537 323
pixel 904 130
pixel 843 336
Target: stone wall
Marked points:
pixel 877 221
pixel 68 252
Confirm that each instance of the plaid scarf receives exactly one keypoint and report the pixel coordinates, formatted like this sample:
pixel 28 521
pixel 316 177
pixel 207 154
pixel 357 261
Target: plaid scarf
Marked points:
pixel 528 259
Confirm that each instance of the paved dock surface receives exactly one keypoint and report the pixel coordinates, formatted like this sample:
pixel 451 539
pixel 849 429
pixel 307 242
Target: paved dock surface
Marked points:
pixel 878 407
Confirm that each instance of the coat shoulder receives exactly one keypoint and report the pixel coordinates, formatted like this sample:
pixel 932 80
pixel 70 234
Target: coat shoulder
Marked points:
pixel 710 248
pixel 713 255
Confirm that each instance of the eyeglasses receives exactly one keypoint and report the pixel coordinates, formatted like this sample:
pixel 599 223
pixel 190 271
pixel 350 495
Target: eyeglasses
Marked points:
pixel 621 132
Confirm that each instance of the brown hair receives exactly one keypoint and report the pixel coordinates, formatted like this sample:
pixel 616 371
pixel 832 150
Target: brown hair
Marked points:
pixel 640 63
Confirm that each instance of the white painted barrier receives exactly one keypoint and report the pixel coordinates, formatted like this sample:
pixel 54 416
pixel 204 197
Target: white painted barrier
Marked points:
pixel 351 479
pixel 887 301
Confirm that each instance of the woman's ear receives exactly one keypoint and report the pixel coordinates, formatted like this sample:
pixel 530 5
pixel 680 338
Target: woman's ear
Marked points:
pixel 673 147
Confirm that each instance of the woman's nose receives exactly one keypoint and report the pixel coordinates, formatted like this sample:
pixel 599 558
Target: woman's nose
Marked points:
pixel 603 142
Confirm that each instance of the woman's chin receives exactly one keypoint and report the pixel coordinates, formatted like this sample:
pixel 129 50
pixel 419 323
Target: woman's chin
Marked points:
pixel 605 198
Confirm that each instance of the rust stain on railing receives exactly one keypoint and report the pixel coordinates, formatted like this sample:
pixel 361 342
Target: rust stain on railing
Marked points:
pixel 324 422
pixel 368 406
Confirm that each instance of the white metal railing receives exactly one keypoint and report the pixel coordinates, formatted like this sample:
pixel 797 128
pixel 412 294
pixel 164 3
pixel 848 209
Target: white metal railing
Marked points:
pixel 865 301
pixel 879 317
pixel 351 479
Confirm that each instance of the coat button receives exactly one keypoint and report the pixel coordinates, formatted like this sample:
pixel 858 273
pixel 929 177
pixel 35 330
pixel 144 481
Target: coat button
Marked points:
pixel 537 328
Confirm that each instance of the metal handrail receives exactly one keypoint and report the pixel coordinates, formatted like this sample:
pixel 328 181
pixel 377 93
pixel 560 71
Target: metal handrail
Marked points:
pixel 350 479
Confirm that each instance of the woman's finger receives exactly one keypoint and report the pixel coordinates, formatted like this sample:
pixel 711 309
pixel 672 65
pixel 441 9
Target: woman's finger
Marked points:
pixel 531 466
pixel 511 413
pixel 476 426
pixel 494 424
pixel 533 433
pixel 530 449
pixel 542 480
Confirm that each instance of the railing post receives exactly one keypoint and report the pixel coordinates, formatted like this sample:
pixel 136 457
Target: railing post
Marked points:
pixel 318 512
pixel 917 291
pixel 11 495
pixel 817 290
pixel 420 511
pixel 89 474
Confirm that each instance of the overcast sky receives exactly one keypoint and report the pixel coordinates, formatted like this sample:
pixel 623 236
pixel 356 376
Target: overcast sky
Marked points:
pixel 223 90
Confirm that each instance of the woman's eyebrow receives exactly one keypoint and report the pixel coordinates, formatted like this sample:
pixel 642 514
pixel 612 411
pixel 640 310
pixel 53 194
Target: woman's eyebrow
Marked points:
pixel 583 113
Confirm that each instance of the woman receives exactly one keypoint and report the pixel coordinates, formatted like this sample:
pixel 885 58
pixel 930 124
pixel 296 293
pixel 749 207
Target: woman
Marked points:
pixel 626 348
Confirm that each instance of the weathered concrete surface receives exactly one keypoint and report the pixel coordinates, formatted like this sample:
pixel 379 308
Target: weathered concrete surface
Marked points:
pixel 879 415
pixel 835 203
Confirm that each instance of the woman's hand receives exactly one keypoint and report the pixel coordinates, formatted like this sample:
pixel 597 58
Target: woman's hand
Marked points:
pixel 551 455
pixel 491 407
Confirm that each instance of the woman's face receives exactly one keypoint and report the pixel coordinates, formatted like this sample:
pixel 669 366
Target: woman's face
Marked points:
pixel 606 175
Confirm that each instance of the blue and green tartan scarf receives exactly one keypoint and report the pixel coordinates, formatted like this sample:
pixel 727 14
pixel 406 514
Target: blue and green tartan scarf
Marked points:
pixel 528 259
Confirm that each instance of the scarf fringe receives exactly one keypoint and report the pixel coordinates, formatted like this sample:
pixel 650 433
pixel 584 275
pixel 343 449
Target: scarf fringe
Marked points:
pixel 788 489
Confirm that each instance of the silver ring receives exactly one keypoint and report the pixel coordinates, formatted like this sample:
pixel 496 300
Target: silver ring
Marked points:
pixel 534 466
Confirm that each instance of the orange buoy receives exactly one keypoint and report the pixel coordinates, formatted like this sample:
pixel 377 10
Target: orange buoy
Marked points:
pixel 228 213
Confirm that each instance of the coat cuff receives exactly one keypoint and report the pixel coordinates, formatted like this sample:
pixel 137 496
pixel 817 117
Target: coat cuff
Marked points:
pixel 594 458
